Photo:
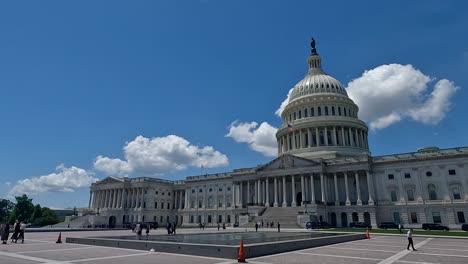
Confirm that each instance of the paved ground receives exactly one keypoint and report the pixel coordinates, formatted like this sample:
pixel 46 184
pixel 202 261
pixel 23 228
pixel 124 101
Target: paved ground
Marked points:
pixel 41 248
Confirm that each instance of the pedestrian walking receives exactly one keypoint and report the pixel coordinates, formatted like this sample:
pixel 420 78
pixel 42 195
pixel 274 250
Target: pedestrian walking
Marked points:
pixel 400 227
pixel 262 223
pixel 21 233
pixel 200 225
pixel 16 231
pixel 147 229
pixel 224 226
pixel 6 233
pixel 279 229
pixel 409 235
pixel 256 227
pixel 218 226
pixel 174 228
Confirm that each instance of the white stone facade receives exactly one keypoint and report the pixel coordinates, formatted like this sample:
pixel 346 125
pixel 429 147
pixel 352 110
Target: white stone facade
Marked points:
pixel 323 168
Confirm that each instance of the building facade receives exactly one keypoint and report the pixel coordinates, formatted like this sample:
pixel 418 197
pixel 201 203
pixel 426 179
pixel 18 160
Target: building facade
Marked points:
pixel 323 170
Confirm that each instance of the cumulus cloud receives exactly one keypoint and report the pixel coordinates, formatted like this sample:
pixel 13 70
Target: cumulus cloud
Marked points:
pixel 390 93
pixel 260 138
pixel 283 104
pixel 64 180
pixel 153 156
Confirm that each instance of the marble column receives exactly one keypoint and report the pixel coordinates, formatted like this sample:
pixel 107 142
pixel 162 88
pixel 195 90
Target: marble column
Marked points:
pixel 300 139
pixel 322 187
pixel 302 190
pixel 241 194
pixel 325 136
pixel 317 136
pixel 233 188
pixel 357 137
pixel 293 191
pixel 275 186
pixel 309 135
pixel 370 189
pixel 90 198
pixel 267 193
pixel 248 192
pixel 358 188
pixel 335 143
pixel 312 189
pixel 343 139
pixel 259 196
pixel 337 196
pixel 288 142
pixel 285 204
pixel 122 199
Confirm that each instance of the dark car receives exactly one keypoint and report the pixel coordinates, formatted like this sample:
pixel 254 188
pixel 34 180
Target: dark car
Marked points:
pixel 386 225
pixel 428 226
pixel 465 227
pixel 317 225
pixel 236 224
pixel 359 225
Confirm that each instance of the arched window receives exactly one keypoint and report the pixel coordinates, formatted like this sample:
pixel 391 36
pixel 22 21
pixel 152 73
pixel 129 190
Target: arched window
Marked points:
pixel 319 111
pixel 339 111
pixel 333 110
pixel 431 189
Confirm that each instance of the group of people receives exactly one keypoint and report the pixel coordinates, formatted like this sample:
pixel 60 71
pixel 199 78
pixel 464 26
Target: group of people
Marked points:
pixel 268 224
pixel 171 228
pixel 18 232
pixel 224 226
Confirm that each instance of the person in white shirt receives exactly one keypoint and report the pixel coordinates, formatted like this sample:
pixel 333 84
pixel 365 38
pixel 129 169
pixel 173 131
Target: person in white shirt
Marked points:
pixel 22 228
pixel 409 235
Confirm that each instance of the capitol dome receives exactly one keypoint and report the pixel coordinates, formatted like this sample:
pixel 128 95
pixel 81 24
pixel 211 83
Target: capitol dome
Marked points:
pixel 320 120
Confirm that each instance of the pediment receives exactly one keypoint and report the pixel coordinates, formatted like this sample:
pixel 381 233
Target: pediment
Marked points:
pixel 109 180
pixel 286 162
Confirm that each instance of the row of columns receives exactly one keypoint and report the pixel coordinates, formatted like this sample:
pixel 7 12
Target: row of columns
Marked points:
pixel 311 137
pixel 204 199
pixel 117 198
pixel 261 189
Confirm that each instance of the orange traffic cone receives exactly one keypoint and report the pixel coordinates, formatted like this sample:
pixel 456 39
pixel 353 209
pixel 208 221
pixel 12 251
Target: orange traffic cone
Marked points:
pixel 241 256
pixel 59 239
pixel 367 234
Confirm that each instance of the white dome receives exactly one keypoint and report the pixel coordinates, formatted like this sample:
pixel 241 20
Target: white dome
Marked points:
pixel 317 83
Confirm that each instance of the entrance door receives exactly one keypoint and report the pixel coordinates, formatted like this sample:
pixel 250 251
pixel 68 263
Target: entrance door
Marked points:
pixel 112 221
pixel 344 220
pixel 299 198
pixel 333 219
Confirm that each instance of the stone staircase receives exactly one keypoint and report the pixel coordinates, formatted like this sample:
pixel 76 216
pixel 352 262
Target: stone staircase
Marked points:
pixel 74 222
pixel 286 216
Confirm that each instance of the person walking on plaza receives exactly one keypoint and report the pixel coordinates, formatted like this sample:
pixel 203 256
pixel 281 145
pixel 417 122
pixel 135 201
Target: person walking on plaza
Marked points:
pixel 218 226
pixel 400 228
pixel 6 233
pixel 174 228
pixel 16 231
pixel 21 233
pixel 256 227
pixel 147 229
pixel 409 235
pixel 224 226
pixel 279 229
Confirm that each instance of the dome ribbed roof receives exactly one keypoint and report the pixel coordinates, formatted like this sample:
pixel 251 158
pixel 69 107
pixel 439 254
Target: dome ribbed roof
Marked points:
pixel 317 83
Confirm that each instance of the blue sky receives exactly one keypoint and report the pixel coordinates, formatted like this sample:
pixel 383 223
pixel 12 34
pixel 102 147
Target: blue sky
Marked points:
pixel 80 79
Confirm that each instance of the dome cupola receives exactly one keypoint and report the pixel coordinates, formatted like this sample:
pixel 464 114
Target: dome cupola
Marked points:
pixel 320 119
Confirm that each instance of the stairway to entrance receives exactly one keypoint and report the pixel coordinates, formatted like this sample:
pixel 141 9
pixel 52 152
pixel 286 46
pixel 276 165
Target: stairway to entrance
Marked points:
pixel 286 216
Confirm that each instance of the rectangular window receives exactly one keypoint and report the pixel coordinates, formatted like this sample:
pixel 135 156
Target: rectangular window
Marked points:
pixel 339 111
pixel 436 218
pixel 319 111
pixel 162 205
pixel 220 204
pixel 294 115
pixel 154 218
pixel 312 112
pixel 452 172
pixel 333 110
pixel 155 205
pixel 456 196
pixel 396 217
pixel 220 189
pixel 391 176
pixel 168 205
pixel 305 112
pixel 144 204
pixel 407 175
pixel 344 111
pixel 410 195
pixel 300 114
pixel 200 204
pixel 461 217
pixel 414 218
pixel 156 192
pixel 228 204
pixel 161 219
pixel 326 110
pixel 191 219
pixel 393 196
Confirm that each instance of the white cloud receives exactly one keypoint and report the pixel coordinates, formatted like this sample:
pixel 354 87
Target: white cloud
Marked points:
pixel 389 93
pixel 260 138
pixel 283 104
pixel 64 180
pixel 152 156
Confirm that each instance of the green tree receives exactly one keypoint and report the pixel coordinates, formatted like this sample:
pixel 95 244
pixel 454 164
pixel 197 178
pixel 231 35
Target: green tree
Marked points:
pixel 37 213
pixel 6 207
pixel 23 209
pixel 49 217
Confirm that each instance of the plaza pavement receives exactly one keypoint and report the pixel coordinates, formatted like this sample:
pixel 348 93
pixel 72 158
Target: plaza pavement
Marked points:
pixel 41 248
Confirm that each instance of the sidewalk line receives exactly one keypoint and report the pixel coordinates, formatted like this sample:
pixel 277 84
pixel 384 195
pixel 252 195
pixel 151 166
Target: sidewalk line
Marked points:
pixel 402 253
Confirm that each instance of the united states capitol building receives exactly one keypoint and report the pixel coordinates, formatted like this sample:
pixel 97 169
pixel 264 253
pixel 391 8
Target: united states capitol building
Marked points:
pixel 324 171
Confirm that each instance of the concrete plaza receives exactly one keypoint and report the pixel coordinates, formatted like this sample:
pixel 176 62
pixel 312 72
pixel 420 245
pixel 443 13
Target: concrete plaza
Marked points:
pixel 41 248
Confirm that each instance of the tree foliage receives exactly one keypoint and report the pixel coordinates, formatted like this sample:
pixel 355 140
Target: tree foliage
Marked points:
pixel 25 210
